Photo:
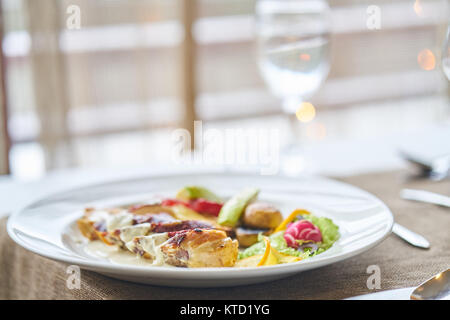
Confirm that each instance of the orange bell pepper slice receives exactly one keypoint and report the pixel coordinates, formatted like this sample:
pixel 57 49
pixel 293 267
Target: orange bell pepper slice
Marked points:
pixel 290 218
pixel 268 258
pixel 272 256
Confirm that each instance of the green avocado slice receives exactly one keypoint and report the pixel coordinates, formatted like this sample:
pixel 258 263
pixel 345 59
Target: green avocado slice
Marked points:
pixel 195 192
pixel 232 210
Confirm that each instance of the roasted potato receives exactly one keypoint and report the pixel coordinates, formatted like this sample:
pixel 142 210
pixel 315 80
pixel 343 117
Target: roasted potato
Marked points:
pixel 262 215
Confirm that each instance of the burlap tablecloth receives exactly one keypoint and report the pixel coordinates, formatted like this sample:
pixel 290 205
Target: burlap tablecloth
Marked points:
pixel 24 275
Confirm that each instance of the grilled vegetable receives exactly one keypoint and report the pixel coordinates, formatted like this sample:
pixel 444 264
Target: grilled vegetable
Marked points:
pixel 249 261
pixel 205 206
pixel 291 218
pixel 198 205
pixel 233 209
pixel 248 237
pixel 262 215
pixel 276 241
pixel 196 192
pixel 182 212
pixel 150 208
pixel 271 256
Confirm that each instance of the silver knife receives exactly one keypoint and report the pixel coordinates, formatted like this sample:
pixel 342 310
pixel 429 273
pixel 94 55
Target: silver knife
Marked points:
pixel 425 196
pixel 411 237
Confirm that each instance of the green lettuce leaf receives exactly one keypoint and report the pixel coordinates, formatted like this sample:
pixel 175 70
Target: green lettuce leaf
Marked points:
pixel 277 241
pixel 330 234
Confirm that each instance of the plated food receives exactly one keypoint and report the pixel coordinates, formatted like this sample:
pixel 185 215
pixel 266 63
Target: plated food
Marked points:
pixel 48 226
pixel 196 229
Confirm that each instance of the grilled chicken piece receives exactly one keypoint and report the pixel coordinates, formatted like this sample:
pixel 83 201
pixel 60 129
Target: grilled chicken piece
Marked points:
pixel 93 221
pixel 149 246
pixel 128 233
pixel 103 224
pixel 111 227
pixel 161 238
pixel 87 229
pixel 195 248
pixel 198 248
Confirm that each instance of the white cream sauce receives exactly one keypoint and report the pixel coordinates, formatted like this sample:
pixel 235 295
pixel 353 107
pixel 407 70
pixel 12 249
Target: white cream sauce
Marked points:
pixel 130 232
pixel 150 244
pixel 119 220
pixel 114 254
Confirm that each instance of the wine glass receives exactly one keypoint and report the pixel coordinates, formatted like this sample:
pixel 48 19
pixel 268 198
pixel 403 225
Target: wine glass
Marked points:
pixel 293 39
pixel 293 47
pixel 446 55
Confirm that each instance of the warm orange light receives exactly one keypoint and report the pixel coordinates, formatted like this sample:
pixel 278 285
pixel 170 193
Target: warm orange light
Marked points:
pixel 291 39
pixel 306 112
pixel 305 57
pixel 316 131
pixel 426 60
pixel 418 8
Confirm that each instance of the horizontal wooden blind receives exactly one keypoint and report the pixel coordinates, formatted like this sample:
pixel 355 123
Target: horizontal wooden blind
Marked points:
pixel 4 137
pixel 122 69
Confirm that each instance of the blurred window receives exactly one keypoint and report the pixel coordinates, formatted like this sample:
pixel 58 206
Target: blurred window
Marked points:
pixel 110 92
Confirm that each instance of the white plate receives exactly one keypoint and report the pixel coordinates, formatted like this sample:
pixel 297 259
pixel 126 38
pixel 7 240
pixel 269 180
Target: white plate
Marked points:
pixel 47 227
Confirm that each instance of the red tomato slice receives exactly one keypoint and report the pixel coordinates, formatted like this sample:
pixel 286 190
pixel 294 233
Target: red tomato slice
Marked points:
pixel 199 205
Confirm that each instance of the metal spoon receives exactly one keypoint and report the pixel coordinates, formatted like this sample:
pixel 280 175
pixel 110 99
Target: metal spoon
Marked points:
pixel 436 288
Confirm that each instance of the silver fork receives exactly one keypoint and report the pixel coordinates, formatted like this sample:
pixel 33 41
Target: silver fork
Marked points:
pixel 436 169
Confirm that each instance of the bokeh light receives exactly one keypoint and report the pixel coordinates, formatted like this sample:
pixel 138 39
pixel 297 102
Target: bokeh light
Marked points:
pixel 426 59
pixel 305 57
pixel 306 112
pixel 418 8
pixel 316 131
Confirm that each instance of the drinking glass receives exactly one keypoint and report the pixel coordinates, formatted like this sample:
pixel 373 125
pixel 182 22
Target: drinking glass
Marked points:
pixel 293 48
pixel 446 55
pixel 293 41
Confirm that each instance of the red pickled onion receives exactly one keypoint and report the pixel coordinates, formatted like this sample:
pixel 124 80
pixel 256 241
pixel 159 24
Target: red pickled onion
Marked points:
pixel 301 230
